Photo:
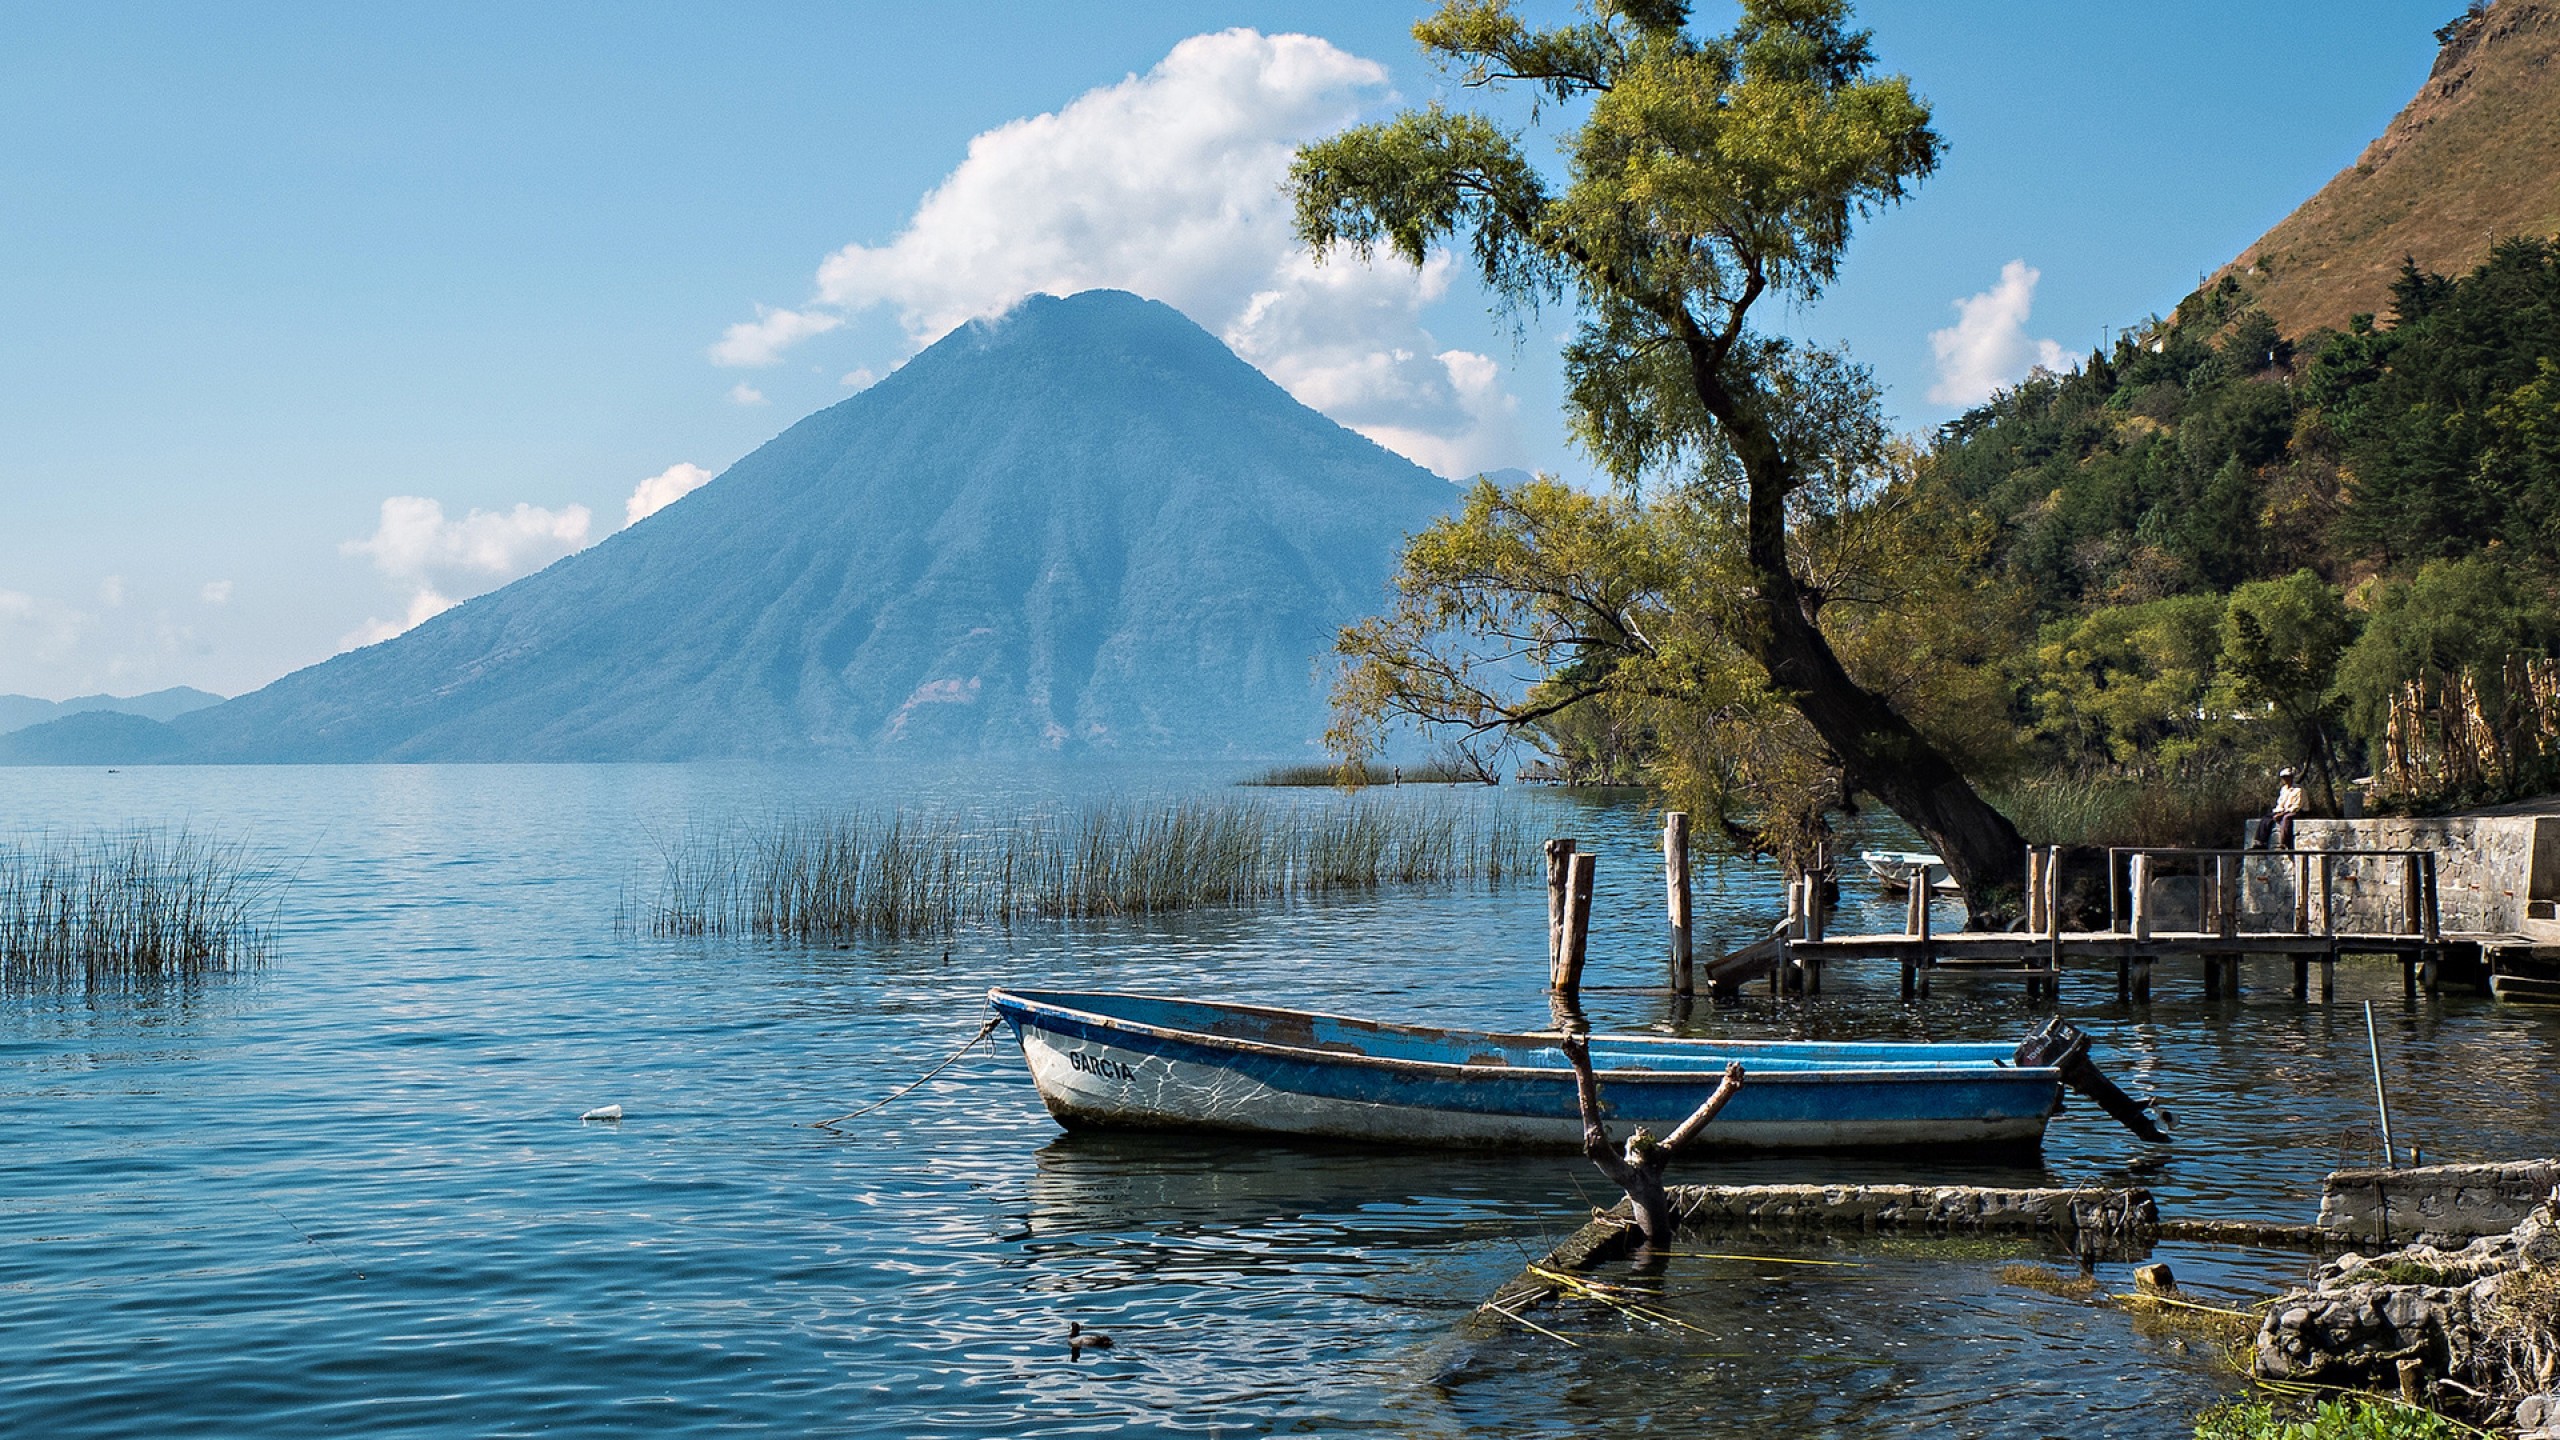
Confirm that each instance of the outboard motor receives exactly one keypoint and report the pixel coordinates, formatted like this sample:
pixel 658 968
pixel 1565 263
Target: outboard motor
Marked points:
pixel 2065 1047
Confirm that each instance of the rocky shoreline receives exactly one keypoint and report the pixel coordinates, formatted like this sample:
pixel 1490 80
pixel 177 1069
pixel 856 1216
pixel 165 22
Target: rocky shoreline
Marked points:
pixel 2473 1332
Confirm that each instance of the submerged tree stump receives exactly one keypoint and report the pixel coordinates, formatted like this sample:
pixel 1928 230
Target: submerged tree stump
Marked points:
pixel 1638 1168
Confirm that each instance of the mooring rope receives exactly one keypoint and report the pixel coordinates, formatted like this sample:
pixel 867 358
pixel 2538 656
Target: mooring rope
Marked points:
pixel 947 1061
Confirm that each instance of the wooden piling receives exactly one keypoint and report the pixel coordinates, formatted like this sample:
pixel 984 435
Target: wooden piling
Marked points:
pixel 2036 861
pixel 2226 896
pixel 1577 923
pixel 2410 894
pixel 1559 887
pixel 2326 916
pixel 2301 895
pixel 1675 879
pixel 2431 907
pixel 2141 887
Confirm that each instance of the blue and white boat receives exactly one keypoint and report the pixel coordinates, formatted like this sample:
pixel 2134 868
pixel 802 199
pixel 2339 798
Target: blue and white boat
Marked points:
pixel 1104 1059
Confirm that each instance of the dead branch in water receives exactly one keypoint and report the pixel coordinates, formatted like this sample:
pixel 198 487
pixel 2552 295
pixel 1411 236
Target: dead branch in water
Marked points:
pixel 1637 1169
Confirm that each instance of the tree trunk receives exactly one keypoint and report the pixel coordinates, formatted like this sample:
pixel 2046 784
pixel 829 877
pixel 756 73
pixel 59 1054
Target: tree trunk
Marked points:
pixel 1881 752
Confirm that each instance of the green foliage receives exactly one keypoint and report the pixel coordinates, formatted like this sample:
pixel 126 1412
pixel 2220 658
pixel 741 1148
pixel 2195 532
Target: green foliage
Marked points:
pixel 2300 488
pixel 2453 618
pixel 2204 451
pixel 2350 1418
pixel 2130 681
pixel 2281 643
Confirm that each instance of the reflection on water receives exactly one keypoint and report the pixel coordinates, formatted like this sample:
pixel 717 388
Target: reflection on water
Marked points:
pixel 352 1193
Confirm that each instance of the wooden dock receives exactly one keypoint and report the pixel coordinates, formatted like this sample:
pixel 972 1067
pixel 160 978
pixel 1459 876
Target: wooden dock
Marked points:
pixel 2148 891
pixel 1793 958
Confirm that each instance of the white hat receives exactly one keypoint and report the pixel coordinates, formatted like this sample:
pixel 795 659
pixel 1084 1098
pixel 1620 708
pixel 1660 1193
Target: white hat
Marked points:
pixel 2285 774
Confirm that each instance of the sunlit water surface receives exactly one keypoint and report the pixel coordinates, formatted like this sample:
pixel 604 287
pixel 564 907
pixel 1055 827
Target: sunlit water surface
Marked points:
pixel 352 1194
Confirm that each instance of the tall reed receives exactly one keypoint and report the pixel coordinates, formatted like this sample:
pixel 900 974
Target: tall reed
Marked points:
pixel 813 877
pixel 131 907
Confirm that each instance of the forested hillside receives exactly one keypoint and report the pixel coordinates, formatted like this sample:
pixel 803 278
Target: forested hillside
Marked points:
pixel 2224 548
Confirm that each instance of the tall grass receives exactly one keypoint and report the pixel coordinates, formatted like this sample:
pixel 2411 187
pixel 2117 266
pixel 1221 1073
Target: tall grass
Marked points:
pixel 130 907
pixel 2207 809
pixel 1360 775
pixel 845 875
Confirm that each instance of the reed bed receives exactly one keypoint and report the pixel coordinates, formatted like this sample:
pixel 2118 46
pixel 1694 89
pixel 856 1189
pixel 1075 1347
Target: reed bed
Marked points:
pixel 1342 775
pixel 903 876
pixel 2207 809
pixel 118 909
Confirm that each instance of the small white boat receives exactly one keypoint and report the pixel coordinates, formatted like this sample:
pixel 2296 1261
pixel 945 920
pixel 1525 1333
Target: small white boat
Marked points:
pixel 1892 869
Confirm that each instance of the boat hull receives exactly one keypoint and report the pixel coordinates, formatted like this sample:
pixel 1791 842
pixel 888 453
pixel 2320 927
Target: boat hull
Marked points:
pixel 1099 1071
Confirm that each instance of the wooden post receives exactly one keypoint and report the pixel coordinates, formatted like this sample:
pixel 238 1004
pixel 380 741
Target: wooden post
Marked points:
pixel 2301 895
pixel 2141 887
pixel 1577 923
pixel 1675 880
pixel 2226 896
pixel 2409 893
pixel 2115 914
pixel 2053 919
pixel 2035 889
pixel 2431 907
pixel 2320 919
pixel 1816 914
pixel 1920 904
pixel 1559 887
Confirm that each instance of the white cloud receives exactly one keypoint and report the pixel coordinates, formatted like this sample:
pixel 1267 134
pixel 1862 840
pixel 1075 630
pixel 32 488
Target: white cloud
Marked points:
pixel 46 629
pixel 1987 347
pixel 859 378
pixel 761 341
pixel 417 548
pixel 111 590
pixel 1170 184
pixel 743 393
pixel 425 605
pixel 215 592
pixel 662 490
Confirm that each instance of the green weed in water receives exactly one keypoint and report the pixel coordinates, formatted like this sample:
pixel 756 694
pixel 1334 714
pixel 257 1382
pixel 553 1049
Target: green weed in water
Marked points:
pixel 2346 1418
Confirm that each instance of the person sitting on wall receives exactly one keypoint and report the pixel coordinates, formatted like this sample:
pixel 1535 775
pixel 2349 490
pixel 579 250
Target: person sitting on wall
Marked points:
pixel 2277 832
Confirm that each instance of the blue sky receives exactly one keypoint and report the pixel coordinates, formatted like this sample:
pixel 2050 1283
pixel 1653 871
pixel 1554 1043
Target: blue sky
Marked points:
pixel 318 317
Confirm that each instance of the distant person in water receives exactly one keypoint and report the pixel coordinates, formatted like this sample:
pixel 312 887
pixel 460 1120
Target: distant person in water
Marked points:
pixel 2278 831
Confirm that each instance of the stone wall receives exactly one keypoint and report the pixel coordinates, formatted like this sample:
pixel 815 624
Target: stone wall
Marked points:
pixel 2489 869
pixel 2434 1203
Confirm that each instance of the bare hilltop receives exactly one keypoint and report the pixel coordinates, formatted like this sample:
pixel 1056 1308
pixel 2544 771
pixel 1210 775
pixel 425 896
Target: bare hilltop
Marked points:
pixel 2474 158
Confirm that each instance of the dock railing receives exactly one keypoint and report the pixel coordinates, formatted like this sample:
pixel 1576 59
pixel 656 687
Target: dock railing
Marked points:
pixel 2133 870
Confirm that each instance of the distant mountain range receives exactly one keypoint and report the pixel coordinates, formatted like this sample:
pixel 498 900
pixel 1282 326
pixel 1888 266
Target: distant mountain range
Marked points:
pixel 17 712
pixel 1083 527
pixel 2473 158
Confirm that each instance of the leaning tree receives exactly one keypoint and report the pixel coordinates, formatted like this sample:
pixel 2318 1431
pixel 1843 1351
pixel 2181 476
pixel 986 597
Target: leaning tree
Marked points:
pixel 1703 180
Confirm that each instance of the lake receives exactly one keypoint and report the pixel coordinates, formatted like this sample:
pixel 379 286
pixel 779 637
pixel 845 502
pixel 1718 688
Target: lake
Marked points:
pixel 352 1193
